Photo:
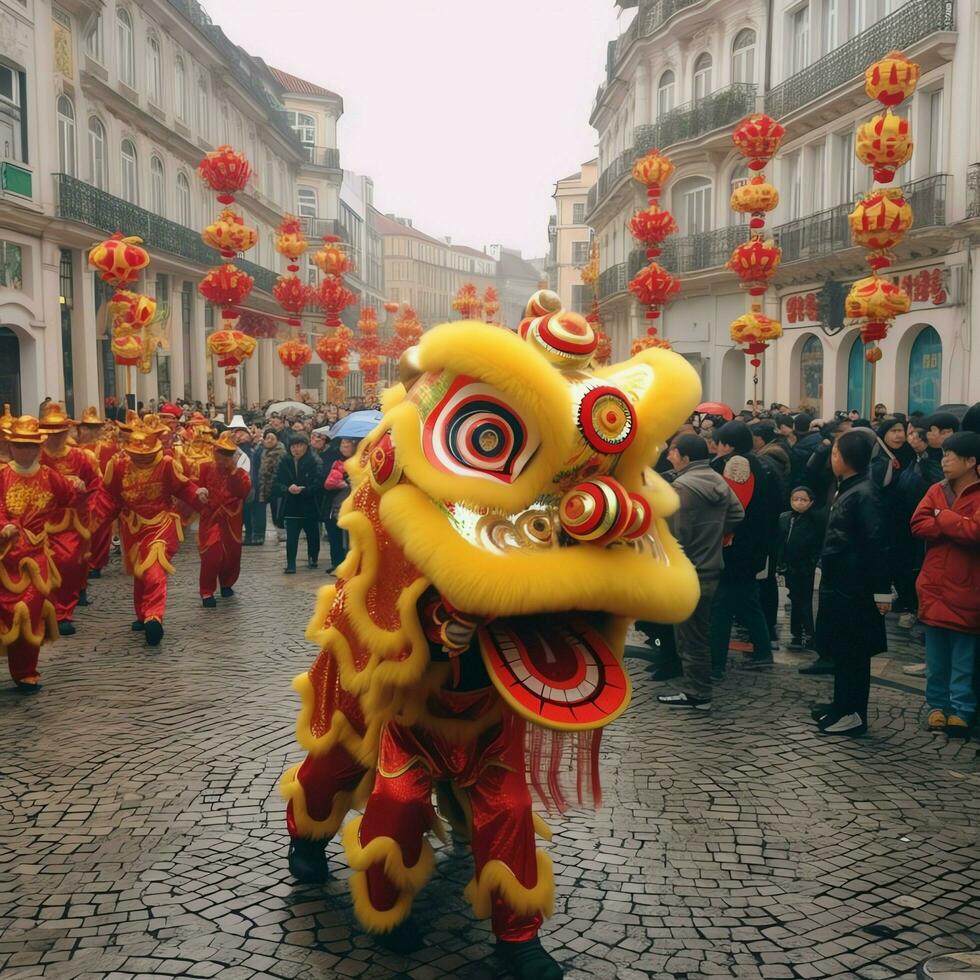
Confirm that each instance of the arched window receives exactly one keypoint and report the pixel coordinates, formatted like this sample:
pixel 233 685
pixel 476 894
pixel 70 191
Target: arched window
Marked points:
pixel 154 71
pixel 856 373
pixel 158 196
pixel 203 120
pixel 98 163
pixel 811 371
pixel 306 202
pixel 925 372
pixel 743 56
pixel 124 46
pixel 665 93
pixel 183 200
pixel 692 205
pixel 702 76
pixel 67 157
pixel 130 174
pixel 180 89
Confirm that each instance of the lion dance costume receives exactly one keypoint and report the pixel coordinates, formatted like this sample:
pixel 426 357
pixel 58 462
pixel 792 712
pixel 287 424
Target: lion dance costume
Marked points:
pixel 505 529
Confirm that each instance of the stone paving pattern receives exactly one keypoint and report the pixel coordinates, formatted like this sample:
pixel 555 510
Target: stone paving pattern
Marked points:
pixel 142 835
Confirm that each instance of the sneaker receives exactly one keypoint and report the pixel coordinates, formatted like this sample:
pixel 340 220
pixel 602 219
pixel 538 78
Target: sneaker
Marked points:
pixel 819 711
pixel 227 591
pixel 956 727
pixel 529 960
pixel 851 724
pixel 66 627
pixel 907 620
pixel 308 861
pixel 914 670
pixel 817 667
pixel 154 632
pixel 209 602
pixel 936 722
pixel 684 701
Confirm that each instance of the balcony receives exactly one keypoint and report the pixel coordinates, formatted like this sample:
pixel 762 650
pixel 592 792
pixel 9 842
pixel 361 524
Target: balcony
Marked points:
pixel 827 232
pixel 316 228
pixel 612 281
pixel 896 32
pixel 322 156
pixel 78 201
pixel 16 179
pixel 973 191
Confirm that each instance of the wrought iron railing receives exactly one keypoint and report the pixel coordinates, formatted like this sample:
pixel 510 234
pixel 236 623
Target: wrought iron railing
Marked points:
pixel 973 191
pixel 706 250
pixel 612 281
pixel 315 228
pixel 907 25
pixel 829 231
pixel 723 107
pixel 322 156
pixel 78 201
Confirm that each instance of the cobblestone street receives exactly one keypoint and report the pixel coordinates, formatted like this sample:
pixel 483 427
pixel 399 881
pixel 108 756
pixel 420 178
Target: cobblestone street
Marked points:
pixel 142 834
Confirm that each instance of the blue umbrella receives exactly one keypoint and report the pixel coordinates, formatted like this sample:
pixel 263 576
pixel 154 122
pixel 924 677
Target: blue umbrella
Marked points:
pixel 356 425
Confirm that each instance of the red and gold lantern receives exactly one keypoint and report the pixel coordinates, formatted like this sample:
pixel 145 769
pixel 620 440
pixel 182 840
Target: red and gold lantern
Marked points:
pixel 229 234
pixel 226 286
pixel 334 349
pixel 226 171
pixel 407 333
pixel 127 349
pixel 879 222
pixel 333 297
pixel 293 295
pixel 119 260
pixel 892 79
pixel 653 170
pixel 295 354
pixel 291 243
pixel 884 143
pixel 755 263
pixel 130 309
pixel 467 302
pixel 654 287
pixel 756 197
pixel 650 227
pixel 491 305
pixel 231 347
pixel 757 138
pixel 331 259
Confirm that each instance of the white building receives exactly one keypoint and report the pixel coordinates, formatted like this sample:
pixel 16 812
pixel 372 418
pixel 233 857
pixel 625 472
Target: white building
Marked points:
pixel 712 56
pixel 105 111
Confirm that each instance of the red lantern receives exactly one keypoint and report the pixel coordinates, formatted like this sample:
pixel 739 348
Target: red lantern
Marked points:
pixel 333 297
pixel 755 262
pixel 334 347
pixel 408 332
pixel 293 295
pixel 491 305
pixel 226 286
pixel 226 171
pixel 467 303
pixel 295 355
pixel 119 260
pixel 229 234
pixel 255 324
pixel 757 138
pixel 651 226
pixel 231 347
pixel 654 287
pixel 331 259
pixel 653 171
pixel 291 243
pixel 391 307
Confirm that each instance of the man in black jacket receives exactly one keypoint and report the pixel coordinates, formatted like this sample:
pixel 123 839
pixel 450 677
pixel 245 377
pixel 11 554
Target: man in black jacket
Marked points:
pixel 298 481
pixel 747 553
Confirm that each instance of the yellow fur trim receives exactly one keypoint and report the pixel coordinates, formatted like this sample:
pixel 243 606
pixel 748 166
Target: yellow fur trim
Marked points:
pixel 371 918
pixel 291 789
pixel 497 878
pixel 30 575
pixel 387 851
pixel 21 627
pixel 617 579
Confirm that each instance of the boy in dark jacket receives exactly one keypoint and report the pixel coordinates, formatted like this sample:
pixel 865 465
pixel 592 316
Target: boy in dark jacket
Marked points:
pixel 800 540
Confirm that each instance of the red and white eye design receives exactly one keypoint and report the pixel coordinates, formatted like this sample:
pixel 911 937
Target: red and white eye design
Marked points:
pixel 474 431
pixel 606 419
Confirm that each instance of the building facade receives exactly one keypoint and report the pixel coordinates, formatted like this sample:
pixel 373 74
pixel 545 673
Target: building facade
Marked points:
pixel 570 238
pixel 106 110
pixel 517 280
pixel 711 57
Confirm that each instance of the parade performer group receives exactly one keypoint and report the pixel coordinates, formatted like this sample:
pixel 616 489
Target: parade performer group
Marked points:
pixel 504 531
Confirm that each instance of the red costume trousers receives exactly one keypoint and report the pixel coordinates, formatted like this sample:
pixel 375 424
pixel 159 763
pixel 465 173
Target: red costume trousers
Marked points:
pixel 22 659
pixel 68 550
pixel 221 555
pixel 150 593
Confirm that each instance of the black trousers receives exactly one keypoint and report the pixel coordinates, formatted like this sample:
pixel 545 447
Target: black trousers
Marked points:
pixel 852 684
pixel 310 525
pixel 800 585
pixel 258 509
pixel 769 599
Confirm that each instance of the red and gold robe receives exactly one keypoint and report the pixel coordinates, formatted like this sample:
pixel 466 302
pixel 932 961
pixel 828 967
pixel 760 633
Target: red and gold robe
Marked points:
pixel 219 536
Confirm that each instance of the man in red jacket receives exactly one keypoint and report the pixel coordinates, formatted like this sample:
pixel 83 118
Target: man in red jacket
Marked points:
pixel 948 518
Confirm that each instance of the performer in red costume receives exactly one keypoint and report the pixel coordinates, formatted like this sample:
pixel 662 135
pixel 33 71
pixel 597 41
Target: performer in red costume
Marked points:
pixel 92 436
pixel 145 485
pixel 68 528
pixel 31 496
pixel 219 535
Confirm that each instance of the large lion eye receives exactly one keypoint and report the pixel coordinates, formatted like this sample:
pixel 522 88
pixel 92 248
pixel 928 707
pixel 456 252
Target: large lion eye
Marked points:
pixel 606 419
pixel 473 431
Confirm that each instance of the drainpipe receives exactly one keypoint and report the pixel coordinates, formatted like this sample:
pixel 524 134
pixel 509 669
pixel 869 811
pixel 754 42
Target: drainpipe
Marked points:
pixel 769 16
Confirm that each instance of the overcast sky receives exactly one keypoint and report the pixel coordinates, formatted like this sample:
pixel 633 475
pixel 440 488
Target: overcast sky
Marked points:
pixel 463 112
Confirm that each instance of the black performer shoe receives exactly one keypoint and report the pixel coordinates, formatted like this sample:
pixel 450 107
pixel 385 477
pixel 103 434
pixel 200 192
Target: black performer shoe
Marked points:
pixel 95 573
pixel 308 861
pixel 26 687
pixel 529 960
pixel 65 627
pixel 154 632
pixel 83 598
pixel 209 602
pixel 227 591
pixel 405 938
pixel 138 626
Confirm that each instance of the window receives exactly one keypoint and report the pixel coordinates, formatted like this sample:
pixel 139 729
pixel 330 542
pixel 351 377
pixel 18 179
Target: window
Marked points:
pixel 130 175
pixel 580 296
pixel 304 126
pixel 859 15
pixel 180 89
pixel 183 200
pixel 158 196
pixel 793 183
pixel 11 266
pixel 306 202
pixel 95 41
pixel 203 120
pixel 811 372
pixel 580 252
pixel 829 30
pixel 154 71
pixel 818 175
pixel 124 46
pixel 800 38
pixel 67 158
pixel 268 175
pixel 936 133
pixel 692 203
pixel 702 76
pixel 98 164
pixel 578 214
pixel 743 56
pixel 844 161
pixel 665 93
pixel 925 371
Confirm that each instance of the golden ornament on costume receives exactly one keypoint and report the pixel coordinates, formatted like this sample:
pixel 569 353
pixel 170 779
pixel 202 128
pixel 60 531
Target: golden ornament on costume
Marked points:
pixel 879 222
pixel 755 327
pixel 884 143
pixel 892 80
pixel 229 234
pixel 874 298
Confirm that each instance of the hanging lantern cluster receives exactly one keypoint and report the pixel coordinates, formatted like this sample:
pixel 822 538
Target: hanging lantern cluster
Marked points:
pixel 370 351
pixel 226 171
pixel 131 315
pixel 757 138
pixel 653 286
pixel 334 350
pixel 467 302
pixel 333 297
pixel 119 260
pixel 406 333
pixel 491 305
pixel 880 220
pixel 589 274
pixel 293 295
